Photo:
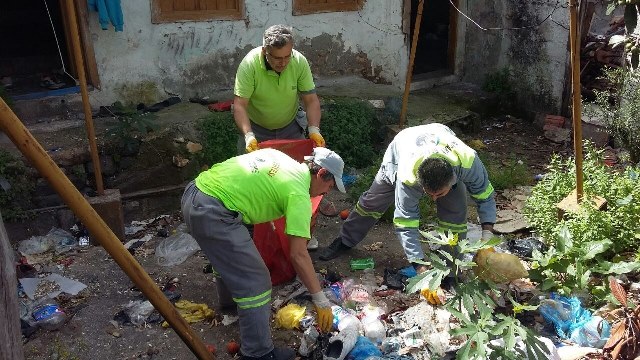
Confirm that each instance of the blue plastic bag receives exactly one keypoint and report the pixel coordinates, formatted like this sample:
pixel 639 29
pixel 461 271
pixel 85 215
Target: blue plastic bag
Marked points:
pixel 363 349
pixel 565 314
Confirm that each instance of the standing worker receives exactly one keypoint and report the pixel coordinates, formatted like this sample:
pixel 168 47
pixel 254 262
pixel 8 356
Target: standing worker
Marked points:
pixel 426 159
pixel 259 187
pixel 267 85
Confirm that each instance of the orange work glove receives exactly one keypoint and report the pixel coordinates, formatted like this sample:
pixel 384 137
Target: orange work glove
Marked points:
pixel 314 134
pixel 324 317
pixel 250 142
pixel 433 297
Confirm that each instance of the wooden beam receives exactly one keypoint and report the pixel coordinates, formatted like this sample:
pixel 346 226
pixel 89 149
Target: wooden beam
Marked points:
pixel 10 337
pixel 412 55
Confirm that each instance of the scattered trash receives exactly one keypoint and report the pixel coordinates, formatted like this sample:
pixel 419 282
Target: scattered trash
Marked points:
pixel 524 247
pixel 500 268
pixel 176 248
pixel 221 106
pixel 361 264
pixel 192 312
pixel 193 147
pixel 63 284
pixel 344 214
pixel 233 347
pixel 341 344
pixel 373 247
pixel 343 319
pixel 179 161
pixel 48 315
pixel 228 319
pixel 364 349
pixel 309 341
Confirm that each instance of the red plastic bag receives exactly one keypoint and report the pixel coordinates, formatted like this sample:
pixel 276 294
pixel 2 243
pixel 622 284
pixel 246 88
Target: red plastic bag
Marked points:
pixel 221 106
pixel 271 241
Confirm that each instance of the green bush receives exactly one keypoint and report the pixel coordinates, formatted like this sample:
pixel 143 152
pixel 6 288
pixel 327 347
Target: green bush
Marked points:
pixel 350 128
pixel 16 189
pixel 219 137
pixel 589 241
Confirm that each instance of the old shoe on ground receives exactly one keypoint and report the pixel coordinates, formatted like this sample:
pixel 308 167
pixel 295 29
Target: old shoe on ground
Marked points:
pixel 335 249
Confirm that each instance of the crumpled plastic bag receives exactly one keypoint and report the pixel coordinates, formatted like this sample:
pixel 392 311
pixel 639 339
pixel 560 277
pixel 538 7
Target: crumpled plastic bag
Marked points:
pixel 192 312
pixel 289 316
pixel 501 268
pixel 176 249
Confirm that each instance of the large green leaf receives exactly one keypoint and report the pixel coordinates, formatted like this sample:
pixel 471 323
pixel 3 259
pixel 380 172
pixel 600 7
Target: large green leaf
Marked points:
pixel 589 250
pixel 565 239
pixel 622 267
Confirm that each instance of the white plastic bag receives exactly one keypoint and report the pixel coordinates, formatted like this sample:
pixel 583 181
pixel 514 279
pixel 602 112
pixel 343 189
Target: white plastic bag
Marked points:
pixel 176 249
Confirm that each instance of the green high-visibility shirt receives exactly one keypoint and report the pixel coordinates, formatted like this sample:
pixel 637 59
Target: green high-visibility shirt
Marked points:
pixel 273 97
pixel 263 185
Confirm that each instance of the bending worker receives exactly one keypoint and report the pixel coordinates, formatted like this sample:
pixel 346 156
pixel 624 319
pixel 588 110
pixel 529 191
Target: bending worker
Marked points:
pixel 255 188
pixel 267 85
pixel 426 159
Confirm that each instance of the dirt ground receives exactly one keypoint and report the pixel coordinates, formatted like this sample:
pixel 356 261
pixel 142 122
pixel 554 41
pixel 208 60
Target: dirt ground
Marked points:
pixel 90 334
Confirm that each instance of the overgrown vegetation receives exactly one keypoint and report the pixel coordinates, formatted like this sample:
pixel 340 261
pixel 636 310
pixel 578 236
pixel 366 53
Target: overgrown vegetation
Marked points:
pixel 15 188
pixel 620 109
pixel 501 84
pixel 350 128
pixel 219 137
pixel 473 306
pixel 130 127
pixel 590 243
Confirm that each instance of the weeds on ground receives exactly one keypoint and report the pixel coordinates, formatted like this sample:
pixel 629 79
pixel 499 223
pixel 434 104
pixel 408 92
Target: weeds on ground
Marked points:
pixel 587 245
pixel 219 137
pixel 501 84
pixel 131 126
pixel 506 174
pixel 15 188
pixel 350 128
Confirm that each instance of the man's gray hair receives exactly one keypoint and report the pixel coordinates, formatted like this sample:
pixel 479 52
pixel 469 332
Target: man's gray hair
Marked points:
pixel 277 36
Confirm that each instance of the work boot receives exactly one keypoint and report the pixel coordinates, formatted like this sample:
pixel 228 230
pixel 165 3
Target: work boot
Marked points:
pixel 278 353
pixel 335 249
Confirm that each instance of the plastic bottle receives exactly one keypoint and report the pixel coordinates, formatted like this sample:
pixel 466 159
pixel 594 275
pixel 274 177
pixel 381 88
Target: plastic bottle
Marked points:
pixel 343 319
pixel 48 315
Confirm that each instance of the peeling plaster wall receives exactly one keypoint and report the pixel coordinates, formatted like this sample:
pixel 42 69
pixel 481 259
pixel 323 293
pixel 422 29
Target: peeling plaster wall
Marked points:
pixel 200 58
pixel 536 57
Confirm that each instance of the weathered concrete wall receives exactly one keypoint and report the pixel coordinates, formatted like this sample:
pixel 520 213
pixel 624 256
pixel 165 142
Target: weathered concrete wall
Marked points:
pixel 148 60
pixel 536 56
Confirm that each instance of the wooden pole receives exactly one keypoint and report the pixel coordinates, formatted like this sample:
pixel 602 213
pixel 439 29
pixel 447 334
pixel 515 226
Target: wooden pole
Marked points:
pixel 412 55
pixel 38 157
pixel 88 119
pixel 574 38
pixel 10 325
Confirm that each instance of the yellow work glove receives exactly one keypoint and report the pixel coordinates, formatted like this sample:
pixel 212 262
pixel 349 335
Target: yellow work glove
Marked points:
pixel 324 317
pixel 250 142
pixel 433 297
pixel 314 134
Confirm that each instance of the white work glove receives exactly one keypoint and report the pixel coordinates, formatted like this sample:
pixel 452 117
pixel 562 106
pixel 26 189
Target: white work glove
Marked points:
pixel 250 142
pixel 487 234
pixel 314 134
pixel 323 309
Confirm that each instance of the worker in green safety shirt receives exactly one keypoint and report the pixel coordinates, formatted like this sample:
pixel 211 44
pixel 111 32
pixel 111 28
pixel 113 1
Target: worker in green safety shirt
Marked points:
pixel 253 188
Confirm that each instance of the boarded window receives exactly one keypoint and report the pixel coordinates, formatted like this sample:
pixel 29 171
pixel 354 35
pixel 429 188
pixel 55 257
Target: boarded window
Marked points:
pixel 302 7
pixel 163 11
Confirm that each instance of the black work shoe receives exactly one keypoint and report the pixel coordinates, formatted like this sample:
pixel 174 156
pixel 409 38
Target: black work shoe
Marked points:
pixel 335 249
pixel 278 353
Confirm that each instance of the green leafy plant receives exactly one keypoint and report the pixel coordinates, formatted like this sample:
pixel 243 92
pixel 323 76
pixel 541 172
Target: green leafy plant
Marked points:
pixel 587 244
pixel 501 84
pixel 131 125
pixel 620 109
pixel 219 137
pixel 631 37
pixel 472 305
pixel 15 188
pixel 350 128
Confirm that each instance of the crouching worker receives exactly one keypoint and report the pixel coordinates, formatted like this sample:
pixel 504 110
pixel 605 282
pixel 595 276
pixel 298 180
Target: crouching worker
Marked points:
pixel 259 187
pixel 422 160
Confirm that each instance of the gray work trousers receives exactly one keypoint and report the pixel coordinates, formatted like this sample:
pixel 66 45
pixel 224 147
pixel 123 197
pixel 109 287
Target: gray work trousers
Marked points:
pixel 451 209
pixel 294 131
pixel 232 253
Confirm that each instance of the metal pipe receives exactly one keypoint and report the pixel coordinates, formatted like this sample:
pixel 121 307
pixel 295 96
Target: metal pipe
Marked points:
pixel 38 157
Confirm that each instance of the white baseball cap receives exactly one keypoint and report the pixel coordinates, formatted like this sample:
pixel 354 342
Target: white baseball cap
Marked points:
pixel 330 161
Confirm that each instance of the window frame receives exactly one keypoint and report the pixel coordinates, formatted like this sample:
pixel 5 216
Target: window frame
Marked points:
pixel 301 7
pixel 158 17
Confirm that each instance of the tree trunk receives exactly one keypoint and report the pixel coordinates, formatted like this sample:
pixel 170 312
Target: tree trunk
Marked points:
pixel 9 313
